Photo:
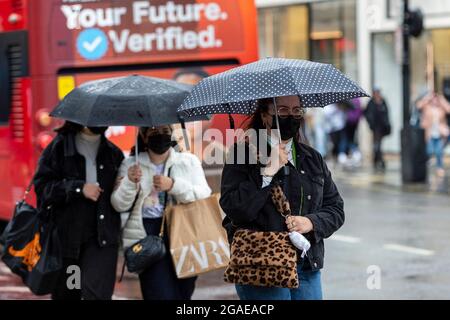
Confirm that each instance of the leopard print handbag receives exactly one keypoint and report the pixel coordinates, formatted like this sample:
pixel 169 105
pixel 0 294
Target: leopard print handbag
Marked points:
pixel 266 259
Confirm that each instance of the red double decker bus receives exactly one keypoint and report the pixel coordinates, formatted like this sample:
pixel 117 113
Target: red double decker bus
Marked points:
pixel 47 47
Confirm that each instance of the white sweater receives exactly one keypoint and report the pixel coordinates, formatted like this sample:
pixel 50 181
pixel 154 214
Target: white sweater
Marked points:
pixel 189 185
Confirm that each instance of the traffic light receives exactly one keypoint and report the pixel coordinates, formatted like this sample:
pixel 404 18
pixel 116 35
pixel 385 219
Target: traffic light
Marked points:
pixel 415 22
pixel 413 154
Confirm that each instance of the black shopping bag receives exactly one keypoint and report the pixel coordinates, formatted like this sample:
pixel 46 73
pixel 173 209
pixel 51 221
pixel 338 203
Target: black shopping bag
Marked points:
pixel 32 249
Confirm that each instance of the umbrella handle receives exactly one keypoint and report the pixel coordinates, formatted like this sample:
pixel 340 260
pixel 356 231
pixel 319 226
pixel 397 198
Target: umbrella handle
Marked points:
pixel 285 168
pixel 185 136
pixel 277 119
pixel 231 119
pixel 136 148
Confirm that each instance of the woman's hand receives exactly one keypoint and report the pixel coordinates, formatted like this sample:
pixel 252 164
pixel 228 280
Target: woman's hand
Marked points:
pixel 278 159
pixel 162 183
pixel 92 191
pixel 300 224
pixel 135 174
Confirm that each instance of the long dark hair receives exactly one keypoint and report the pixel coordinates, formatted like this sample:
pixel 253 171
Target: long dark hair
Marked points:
pixel 255 121
pixel 69 127
pixel 142 147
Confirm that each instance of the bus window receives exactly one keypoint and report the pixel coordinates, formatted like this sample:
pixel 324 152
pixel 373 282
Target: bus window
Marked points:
pixel 13 63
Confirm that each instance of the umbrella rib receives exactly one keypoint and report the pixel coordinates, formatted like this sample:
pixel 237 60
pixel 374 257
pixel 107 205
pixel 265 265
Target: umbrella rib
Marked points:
pixel 226 92
pixel 92 109
pixel 161 98
pixel 290 75
pixel 233 75
pixel 119 81
pixel 149 111
pixel 319 98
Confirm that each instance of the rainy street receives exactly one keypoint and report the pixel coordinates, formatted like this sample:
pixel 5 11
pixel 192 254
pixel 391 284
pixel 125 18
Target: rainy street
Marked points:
pixel 132 132
pixel 400 233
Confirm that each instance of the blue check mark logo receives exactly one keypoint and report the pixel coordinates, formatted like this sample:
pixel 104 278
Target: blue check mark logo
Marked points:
pixel 92 44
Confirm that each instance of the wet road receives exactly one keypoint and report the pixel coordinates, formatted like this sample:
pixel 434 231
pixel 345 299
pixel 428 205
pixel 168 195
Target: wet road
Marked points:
pixel 401 233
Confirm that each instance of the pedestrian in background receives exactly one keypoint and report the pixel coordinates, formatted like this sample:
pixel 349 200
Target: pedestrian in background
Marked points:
pixel 353 116
pixel 377 116
pixel 335 121
pixel 434 109
pixel 318 135
pixel 162 175
pixel 75 177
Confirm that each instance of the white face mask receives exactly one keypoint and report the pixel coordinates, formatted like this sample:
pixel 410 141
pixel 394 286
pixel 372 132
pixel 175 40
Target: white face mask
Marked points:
pixel 300 242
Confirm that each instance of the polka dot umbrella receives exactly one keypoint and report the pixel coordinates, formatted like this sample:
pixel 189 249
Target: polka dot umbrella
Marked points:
pixel 236 91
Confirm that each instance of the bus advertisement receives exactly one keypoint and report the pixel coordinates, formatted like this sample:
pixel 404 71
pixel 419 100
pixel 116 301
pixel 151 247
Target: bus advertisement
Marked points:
pixel 48 47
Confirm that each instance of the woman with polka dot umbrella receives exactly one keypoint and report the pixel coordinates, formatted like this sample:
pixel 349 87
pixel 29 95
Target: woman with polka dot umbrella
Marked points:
pixel 275 92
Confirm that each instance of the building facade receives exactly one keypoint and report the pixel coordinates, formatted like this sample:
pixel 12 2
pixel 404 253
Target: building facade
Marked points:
pixel 380 50
pixel 362 38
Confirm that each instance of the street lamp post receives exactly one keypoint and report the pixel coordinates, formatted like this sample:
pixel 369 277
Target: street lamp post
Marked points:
pixel 406 65
pixel 413 152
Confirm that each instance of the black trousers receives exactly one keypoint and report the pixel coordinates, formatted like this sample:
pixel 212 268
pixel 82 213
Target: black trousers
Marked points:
pixel 160 282
pixel 378 159
pixel 350 131
pixel 338 140
pixel 98 274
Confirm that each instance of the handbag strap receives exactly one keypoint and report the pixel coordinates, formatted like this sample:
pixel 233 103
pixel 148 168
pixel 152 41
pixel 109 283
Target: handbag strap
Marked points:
pixel 165 205
pixel 136 198
pixel 28 189
pixel 123 270
pixel 280 201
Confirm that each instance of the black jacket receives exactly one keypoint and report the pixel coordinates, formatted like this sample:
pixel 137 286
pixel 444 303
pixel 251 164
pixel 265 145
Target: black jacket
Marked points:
pixel 59 182
pixel 377 116
pixel 248 205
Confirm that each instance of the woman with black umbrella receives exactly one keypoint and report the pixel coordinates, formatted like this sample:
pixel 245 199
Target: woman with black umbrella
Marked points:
pixel 82 186
pixel 75 179
pixel 317 208
pixel 377 116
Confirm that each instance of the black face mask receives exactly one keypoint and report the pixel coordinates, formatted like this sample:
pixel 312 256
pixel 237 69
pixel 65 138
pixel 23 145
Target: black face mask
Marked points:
pixel 160 143
pixel 288 127
pixel 98 130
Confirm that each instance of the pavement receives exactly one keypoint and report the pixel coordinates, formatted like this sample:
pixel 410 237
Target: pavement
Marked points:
pixel 393 245
pixel 365 176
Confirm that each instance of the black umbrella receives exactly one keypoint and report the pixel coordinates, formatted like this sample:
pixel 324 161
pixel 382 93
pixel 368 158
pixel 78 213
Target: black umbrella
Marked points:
pixel 126 101
pixel 131 101
pixel 236 91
